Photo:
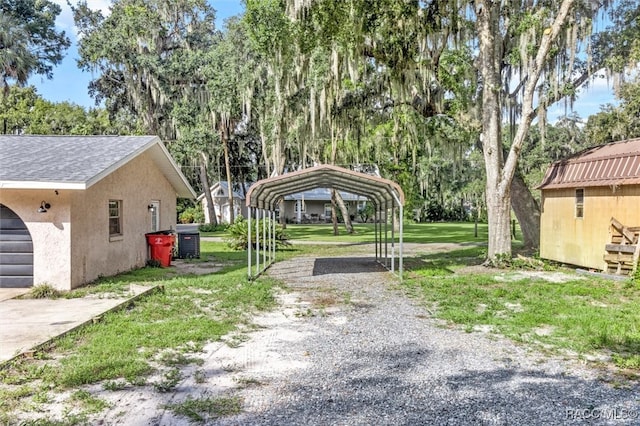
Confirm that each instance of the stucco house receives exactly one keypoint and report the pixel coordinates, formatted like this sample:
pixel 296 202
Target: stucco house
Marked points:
pixel 220 195
pixel 591 207
pixel 74 208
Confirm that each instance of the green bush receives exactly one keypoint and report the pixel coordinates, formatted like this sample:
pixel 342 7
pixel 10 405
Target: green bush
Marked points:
pixel 239 234
pixel 209 227
pixel 192 215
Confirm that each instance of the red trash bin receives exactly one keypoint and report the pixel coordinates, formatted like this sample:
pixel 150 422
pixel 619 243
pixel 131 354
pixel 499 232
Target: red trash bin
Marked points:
pixel 161 247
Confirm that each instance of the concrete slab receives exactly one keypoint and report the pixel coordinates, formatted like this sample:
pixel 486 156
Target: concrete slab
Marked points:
pixel 26 324
pixel 10 293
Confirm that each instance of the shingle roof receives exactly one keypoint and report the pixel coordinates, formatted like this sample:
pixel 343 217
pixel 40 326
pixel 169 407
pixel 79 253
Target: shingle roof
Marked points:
pixel 612 164
pixel 77 162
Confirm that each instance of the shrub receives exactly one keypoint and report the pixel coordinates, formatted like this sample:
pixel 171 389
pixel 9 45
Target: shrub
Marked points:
pixel 239 234
pixel 44 291
pixel 209 227
pixel 192 215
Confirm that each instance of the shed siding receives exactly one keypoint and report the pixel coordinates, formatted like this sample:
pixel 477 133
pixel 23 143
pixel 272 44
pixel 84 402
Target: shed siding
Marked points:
pixel 580 241
pixel 136 184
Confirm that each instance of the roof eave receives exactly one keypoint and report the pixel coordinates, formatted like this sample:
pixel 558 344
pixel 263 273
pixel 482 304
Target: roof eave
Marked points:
pixel 15 184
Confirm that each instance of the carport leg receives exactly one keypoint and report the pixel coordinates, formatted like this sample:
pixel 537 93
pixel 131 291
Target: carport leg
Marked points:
pixel 393 238
pixel 250 213
pixel 386 235
pixel 257 241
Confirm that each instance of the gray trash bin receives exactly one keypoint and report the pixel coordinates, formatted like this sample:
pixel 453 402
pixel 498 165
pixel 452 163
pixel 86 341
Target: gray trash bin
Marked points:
pixel 189 245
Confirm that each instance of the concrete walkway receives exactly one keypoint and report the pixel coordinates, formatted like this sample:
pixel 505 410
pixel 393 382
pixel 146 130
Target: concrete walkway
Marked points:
pixel 26 324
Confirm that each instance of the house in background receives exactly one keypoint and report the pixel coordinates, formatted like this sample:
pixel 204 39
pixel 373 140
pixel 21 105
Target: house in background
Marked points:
pixel 74 208
pixel 314 206
pixel 591 207
pixel 220 195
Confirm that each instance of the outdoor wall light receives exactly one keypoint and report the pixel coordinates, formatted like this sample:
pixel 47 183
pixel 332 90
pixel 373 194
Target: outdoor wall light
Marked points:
pixel 44 206
pixel 151 207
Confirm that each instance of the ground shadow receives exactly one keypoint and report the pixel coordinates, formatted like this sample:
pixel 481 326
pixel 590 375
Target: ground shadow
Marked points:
pixel 346 265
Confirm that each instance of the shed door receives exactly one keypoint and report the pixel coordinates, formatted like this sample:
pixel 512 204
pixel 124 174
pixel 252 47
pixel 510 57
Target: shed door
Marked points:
pixel 16 251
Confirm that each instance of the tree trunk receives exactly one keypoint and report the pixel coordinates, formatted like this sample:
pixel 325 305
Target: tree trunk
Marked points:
pixel 500 173
pixel 227 166
pixel 204 180
pixel 527 211
pixel 497 193
pixel 345 211
pixel 334 213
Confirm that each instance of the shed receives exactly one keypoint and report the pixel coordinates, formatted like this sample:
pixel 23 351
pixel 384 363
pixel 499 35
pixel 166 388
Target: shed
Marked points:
pixel 220 195
pixel 74 208
pixel 589 201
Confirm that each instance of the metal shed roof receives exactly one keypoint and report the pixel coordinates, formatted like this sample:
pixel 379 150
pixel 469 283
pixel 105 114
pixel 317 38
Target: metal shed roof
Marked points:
pixel 612 164
pixel 267 192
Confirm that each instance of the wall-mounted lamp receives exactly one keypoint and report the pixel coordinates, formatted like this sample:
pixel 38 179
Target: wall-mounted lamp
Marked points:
pixel 44 206
pixel 151 208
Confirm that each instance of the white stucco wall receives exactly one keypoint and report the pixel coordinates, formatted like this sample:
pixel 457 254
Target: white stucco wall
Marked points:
pixel 94 253
pixel 50 232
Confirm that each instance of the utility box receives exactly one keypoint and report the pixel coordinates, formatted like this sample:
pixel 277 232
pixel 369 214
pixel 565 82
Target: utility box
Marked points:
pixel 189 245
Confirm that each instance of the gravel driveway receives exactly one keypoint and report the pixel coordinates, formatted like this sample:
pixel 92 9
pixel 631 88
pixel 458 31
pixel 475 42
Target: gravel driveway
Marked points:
pixel 350 349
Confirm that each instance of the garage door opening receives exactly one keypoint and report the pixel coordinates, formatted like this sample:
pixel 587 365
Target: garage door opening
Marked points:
pixel 16 251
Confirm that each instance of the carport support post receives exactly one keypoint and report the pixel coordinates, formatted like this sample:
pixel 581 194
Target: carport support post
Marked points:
pixel 386 234
pixel 375 229
pixel 264 238
pixel 401 240
pixel 257 241
pixel 393 237
pixel 249 213
pixel 274 226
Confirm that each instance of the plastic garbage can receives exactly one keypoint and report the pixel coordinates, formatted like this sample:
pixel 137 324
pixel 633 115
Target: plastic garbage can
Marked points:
pixel 161 247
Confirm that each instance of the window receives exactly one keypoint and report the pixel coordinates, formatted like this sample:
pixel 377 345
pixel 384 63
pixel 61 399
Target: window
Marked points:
pixel 155 215
pixel 579 203
pixel 115 217
pixel 327 210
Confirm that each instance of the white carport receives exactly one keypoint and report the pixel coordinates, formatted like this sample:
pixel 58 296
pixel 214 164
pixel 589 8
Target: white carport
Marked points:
pixel 264 196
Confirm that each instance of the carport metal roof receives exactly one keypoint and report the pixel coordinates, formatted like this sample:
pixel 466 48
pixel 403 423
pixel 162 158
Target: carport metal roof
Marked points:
pixel 266 193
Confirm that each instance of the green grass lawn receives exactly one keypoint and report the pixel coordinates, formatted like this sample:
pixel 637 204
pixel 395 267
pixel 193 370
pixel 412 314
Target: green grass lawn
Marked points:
pixel 412 233
pixel 364 233
pixel 585 315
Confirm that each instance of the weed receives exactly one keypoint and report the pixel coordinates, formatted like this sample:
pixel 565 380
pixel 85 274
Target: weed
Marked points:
pixel 154 263
pixel 199 376
pixel 114 385
pixel 44 291
pixel 207 408
pixel 169 381
pixel 90 403
pixel 246 382
pixel 236 340
pixel 173 358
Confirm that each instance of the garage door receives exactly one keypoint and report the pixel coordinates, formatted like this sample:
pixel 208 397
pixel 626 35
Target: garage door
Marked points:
pixel 16 251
